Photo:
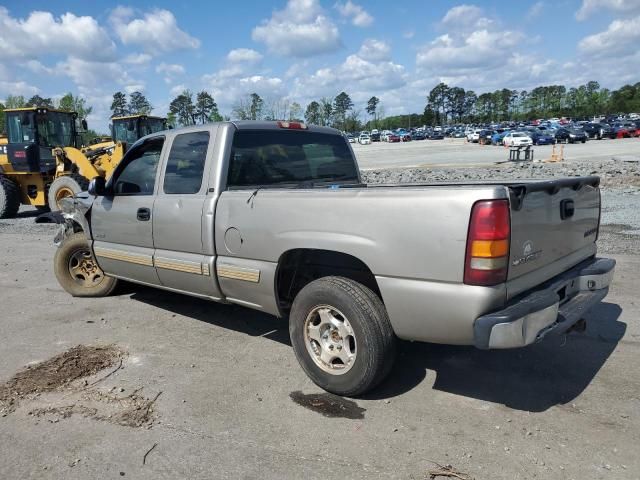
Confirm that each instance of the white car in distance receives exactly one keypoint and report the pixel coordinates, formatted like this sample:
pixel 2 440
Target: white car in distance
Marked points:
pixel 364 139
pixel 517 139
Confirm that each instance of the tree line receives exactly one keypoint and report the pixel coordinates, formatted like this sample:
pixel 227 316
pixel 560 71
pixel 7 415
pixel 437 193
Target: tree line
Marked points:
pixel 447 104
pixel 444 104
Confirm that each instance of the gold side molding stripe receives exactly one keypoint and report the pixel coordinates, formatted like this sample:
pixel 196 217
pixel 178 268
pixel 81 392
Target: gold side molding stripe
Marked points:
pixel 136 258
pixel 178 265
pixel 238 273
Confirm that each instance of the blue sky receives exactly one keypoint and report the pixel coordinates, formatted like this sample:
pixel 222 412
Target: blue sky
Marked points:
pixel 300 50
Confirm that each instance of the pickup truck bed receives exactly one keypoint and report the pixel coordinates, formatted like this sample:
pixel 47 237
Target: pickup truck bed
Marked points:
pixel 276 218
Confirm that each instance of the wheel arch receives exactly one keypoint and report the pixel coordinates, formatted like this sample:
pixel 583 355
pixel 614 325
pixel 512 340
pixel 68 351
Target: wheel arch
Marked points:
pixel 298 267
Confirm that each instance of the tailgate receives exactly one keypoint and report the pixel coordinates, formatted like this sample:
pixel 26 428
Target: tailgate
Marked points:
pixel 554 226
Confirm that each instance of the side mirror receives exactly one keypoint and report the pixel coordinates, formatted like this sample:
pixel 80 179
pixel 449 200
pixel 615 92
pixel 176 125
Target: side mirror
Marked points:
pixel 97 187
pixel 85 127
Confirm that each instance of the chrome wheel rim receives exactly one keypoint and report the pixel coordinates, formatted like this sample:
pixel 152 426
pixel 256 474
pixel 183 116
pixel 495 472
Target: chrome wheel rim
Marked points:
pixel 84 270
pixel 330 340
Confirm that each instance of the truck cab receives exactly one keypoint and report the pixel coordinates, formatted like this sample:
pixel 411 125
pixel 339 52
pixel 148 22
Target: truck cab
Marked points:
pixel 128 129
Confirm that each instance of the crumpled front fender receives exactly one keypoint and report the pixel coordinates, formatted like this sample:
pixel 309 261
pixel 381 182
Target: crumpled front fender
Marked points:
pixel 76 212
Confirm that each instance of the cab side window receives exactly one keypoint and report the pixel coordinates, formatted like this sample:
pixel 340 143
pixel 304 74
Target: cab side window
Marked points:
pixel 136 174
pixel 185 166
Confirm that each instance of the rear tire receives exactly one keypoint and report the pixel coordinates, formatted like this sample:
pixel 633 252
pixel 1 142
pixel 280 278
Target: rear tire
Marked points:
pixel 63 187
pixel 335 317
pixel 9 198
pixel 77 270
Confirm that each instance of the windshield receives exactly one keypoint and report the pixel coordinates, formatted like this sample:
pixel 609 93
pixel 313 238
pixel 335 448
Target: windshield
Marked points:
pixel 151 125
pixel 271 157
pixel 55 129
pixel 20 127
pixel 125 130
pixel 50 129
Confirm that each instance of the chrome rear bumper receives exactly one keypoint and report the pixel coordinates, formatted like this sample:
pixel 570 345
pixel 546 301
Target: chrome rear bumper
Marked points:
pixel 553 308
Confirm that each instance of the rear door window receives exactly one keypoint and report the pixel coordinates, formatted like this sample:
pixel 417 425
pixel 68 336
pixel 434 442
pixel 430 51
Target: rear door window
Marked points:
pixel 274 157
pixel 185 166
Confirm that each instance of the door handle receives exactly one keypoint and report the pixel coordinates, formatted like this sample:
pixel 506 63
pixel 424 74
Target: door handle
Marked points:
pixel 144 214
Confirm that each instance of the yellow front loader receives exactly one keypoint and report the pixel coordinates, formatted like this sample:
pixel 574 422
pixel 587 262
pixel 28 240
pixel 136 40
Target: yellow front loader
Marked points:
pixel 42 159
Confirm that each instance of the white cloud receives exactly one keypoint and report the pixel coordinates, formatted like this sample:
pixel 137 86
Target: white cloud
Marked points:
pixel 535 10
pixel 375 50
pixel 41 33
pixel 240 55
pixel 241 76
pixel 590 7
pixel 359 16
pixel 464 18
pixel 359 77
pixel 620 39
pixel 170 71
pixel 38 68
pixel 156 31
pixel 177 90
pixel 137 59
pixel 300 30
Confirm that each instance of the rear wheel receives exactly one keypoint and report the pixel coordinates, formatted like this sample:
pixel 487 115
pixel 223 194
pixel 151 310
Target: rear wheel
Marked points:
pixel 64 187
pixel 9 198
pixel 341 335
pixel 78 272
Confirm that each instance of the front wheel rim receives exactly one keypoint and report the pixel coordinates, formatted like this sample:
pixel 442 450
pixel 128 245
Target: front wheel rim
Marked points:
pixel 84 270
pixel 330 340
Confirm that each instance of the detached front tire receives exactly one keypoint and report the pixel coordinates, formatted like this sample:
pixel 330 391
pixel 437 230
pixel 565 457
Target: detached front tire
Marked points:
pixel 78 272
pixel 341 335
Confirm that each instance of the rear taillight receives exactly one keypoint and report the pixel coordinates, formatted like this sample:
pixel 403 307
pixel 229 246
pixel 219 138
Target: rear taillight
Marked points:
pixel 488 243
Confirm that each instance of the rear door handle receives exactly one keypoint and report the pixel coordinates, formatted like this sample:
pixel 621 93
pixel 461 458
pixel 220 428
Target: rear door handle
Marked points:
pixel 144 214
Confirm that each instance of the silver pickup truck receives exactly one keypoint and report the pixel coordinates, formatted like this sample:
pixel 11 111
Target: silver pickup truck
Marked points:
pixel 274 216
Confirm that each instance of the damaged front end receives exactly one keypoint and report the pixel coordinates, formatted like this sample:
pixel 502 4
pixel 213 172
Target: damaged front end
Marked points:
pixel 76 212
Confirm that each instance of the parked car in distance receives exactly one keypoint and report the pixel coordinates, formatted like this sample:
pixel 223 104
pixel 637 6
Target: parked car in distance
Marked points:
pixel 517 139
pixel 570 135
pixel 484 137
pixel 351 138
pixel 393 138
pixel 498 137
pixel 364 139
pixel 405 137
pixel 541 138
pixel 598 130
pixel 418 135
pixel 436 135
pixel 375 136
pixel 474 136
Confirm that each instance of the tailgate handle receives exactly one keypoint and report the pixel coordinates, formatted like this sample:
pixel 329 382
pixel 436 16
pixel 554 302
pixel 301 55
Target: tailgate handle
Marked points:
pixel 567 208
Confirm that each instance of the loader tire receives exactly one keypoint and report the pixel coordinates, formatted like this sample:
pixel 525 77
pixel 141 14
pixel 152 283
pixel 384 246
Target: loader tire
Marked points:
pixel 66 186
pixel 9 198
pixel 77 270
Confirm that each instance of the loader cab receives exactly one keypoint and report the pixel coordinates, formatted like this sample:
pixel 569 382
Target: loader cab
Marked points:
pixel 130 129
pixel 32 134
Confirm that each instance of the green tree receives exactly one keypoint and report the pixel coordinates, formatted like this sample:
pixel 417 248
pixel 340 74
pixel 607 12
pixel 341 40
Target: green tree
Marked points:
pixel 313 115
pixel 119 106
pixel 38 101
pixel 341 105
pixel 183 109
pixel 255 108
pixel 14 101
pixel 295 112
pixel 372 107
pixel 77 104
pixel 326 112
pixel 204 106
pixel 138 104
pixel 172 120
